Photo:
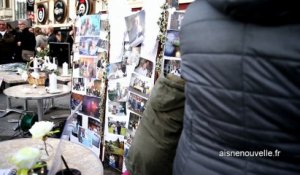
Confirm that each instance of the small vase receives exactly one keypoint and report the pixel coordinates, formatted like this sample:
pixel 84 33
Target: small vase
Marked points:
pixel 46 150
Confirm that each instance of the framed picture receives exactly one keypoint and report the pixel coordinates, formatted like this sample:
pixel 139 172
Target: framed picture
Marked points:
pixel 42 12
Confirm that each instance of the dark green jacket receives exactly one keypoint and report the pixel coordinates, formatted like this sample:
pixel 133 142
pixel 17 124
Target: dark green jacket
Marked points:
pixel 154 145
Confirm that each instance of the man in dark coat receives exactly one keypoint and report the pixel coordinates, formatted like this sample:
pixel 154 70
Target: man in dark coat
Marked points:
pixel 26 40
pixel 241 63
pixel 7 44
pixel 51 35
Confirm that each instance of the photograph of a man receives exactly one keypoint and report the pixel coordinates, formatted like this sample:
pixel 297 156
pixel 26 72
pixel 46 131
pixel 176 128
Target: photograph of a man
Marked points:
pixel 135 27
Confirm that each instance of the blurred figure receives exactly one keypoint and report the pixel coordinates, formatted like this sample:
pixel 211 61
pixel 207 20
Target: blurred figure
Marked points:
pixel 59 37
pixel 51 35
pixel 7 44
pixel 241 64
pixel 70 39
pixel 40 37
pixel 31 29
pixel 25 40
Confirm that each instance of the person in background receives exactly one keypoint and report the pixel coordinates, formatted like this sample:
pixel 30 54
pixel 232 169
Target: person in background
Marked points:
pixel 241 64
pixel 7 44
pixel 40 37
pixel 51 35
pixel 31 29
pixel 70 39
pixel 59 37
pixel 26 40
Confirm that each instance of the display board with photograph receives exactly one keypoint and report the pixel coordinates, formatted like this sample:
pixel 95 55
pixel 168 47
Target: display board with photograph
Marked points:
pixel 172 57
pixel 88 84
pixel 129 85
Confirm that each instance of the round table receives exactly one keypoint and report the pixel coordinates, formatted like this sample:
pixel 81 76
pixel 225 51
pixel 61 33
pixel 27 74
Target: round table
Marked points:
pixel 76 156
pixel 39 93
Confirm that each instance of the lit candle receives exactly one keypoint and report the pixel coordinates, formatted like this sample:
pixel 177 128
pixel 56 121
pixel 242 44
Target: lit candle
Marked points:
pixel 65 69
pixel 52 82
pixel 35 63
pixel 53 60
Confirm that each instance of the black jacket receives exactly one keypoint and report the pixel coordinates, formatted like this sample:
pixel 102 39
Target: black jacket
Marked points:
pixel 241 64
pixel 27 39
pixel 7 48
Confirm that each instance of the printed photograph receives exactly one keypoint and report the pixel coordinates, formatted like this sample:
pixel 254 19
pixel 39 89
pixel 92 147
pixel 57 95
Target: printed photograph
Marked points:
pixel 135 27
pixel 172 66
pixel 145 67
pixel 90 25
pixel 85 137
pixel 94 127
pixel 116 126
pixel 114 145
pixel 78 85
pixel 76 68
pixel 90 106
pixel 134 121
pixel 103 44
pixel 89 46
pixel 93 87
pixel 102 56
pixel 76 99
pixel 117 92
pixel 117 70
pixel 101 64
pixel 131 55
pixel 76 123
pixel 140 85
pixel 136 103
pixel 172 44
pixel 175 20
pixel 104 25
pixel 71 128
pixel 117 108
pixel 114 150
pixel 87 67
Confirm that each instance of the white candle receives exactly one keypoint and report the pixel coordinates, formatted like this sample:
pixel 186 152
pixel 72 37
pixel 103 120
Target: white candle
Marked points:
pixel 52 82
pixel 65 70
pixel 53 60
pixel 35 63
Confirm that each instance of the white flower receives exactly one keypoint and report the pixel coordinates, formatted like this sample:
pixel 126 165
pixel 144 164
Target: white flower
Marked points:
pixel 40 129
pixel 26 157
pixel 35 75
pixel 38 49
pixel 24 75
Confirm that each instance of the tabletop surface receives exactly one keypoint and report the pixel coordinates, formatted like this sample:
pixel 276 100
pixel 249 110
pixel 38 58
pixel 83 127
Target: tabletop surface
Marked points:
pixel 76 156
pixel 26 91
pixel 10 77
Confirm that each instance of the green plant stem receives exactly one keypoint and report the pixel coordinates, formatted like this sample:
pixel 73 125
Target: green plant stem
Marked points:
pixel 23 171
pixel 46 147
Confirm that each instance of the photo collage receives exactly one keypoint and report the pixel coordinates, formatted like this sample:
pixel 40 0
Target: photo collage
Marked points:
pixel 130 81
pixel 87 85
pixel 172 56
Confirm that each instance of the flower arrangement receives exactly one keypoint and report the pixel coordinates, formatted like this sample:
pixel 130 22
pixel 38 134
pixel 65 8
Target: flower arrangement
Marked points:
pixel 42 130
pixel 26 159
pixel 41 52
pixel 36 64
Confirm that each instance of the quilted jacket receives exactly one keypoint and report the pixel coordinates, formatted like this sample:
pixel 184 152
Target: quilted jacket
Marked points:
pixel 241 64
